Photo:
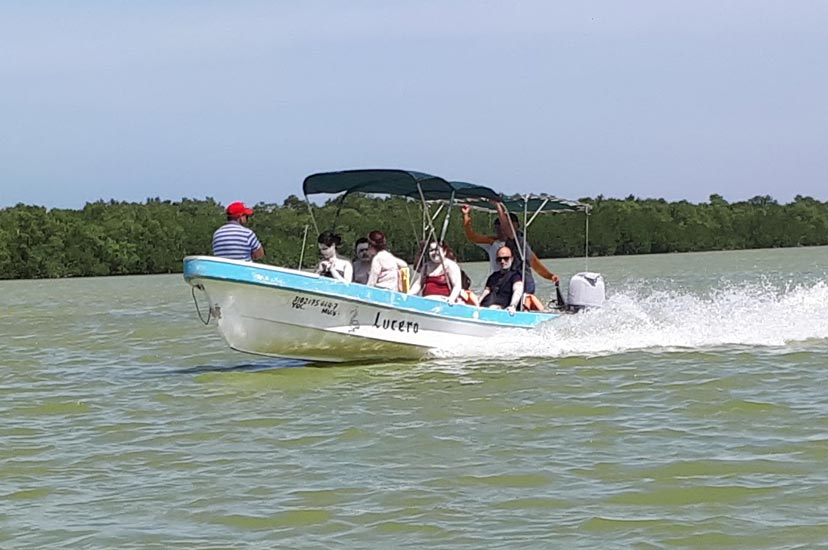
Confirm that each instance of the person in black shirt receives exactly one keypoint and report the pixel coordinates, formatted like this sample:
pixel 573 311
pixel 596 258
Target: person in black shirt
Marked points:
pixel 504 287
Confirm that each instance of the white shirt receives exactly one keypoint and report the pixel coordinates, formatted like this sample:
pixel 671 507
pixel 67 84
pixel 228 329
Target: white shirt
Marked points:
pixel 385 271
pixel 491 250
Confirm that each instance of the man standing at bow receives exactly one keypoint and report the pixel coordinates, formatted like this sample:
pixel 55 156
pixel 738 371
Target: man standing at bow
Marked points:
pixel 235 241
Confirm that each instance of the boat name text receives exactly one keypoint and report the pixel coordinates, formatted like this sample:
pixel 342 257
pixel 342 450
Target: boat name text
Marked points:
pixel 396 324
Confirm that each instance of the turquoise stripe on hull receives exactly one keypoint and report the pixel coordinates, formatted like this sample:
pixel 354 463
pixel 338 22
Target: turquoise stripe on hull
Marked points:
pixel 208 267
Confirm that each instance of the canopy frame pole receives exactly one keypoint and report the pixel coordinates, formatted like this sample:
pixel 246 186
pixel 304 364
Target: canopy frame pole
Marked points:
pixel 310 211
pixel 535 215
pixel 341 202
pixel 519 246
pixel 432 234
pixel 427 224
pixel 304 243
pixel 410 220
pixel 431 231
pixel 586 239
pixel 444 230
pixel 521 249
pixel 523 245
pixel 433 219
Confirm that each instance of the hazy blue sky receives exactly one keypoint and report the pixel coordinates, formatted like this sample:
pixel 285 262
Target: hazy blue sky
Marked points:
pixel 241 100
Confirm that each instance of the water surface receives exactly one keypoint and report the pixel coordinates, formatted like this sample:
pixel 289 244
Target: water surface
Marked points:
pixel 690 413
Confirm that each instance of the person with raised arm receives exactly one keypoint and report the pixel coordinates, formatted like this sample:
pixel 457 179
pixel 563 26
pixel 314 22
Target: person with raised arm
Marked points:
pixel 507 232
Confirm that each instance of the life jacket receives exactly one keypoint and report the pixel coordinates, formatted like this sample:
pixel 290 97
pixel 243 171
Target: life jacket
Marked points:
pixel 404 282
pixel 469 298
pixel 532 303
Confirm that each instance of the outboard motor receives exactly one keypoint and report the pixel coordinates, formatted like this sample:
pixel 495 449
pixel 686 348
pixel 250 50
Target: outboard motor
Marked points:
pixel 586 290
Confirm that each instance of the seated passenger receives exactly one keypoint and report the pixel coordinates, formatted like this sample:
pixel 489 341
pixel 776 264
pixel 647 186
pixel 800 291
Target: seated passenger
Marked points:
pixel 507 231
pixel 362 261
pixel 439 276
pixel 504 287
pixel 385 267
pixel 332 265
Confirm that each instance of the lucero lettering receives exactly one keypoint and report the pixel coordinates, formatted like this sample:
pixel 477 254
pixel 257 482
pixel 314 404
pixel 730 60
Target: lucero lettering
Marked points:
pixel 398 325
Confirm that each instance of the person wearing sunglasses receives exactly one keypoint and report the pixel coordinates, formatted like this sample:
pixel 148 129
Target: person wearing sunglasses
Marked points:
pixel 507 232
pixel 362 261
pixel 504 287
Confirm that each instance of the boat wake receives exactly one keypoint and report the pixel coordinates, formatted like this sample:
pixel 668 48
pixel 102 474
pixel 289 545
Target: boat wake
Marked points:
pixel 639 318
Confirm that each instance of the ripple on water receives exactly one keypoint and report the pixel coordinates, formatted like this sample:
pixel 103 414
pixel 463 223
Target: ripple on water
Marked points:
pixel 129 424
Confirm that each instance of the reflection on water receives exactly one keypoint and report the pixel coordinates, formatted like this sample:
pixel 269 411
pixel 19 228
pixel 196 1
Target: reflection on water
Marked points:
pixel 252 367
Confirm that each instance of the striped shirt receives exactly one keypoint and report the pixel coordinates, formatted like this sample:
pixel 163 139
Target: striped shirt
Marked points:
pixel 235 241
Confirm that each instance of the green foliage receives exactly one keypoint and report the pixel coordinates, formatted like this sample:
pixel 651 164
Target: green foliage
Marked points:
pixel 119 238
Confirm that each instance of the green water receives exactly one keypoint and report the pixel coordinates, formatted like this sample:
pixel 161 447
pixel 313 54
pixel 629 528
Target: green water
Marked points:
pixel 691 413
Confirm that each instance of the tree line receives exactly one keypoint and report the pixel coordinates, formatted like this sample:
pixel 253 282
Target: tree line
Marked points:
pixel 121 238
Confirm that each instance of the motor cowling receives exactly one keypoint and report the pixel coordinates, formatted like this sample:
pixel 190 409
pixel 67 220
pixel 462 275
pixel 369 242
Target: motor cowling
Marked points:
pixel 586 290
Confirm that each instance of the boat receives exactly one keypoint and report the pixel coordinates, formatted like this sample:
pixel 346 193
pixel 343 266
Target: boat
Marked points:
pixel 282 312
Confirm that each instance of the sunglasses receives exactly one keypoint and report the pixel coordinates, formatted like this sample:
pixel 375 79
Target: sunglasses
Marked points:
pixel 503 258
pixel 362 249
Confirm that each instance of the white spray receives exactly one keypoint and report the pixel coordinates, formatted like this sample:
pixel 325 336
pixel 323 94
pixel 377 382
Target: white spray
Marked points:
pixel 641 319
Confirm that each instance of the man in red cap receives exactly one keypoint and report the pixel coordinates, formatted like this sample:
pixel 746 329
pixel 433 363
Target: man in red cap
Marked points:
pixel 235 241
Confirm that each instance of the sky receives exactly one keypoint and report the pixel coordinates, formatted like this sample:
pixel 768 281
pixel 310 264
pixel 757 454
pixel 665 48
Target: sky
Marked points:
pixel 241 100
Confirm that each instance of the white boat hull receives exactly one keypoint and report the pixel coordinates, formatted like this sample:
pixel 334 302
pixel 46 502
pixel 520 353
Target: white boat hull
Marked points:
pixel 281 312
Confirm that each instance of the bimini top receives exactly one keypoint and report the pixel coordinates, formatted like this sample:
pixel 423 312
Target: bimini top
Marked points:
pixel 406 183
pixel 395 182
pixel 533 203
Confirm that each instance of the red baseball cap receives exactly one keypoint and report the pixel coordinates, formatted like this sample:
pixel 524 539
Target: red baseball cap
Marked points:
pixel 238 209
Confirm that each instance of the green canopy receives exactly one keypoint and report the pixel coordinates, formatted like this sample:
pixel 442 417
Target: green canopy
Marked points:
pixel 409 184
pixel 394 182
pixel 542 204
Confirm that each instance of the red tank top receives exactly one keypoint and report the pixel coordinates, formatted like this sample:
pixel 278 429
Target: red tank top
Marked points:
pixel 436 286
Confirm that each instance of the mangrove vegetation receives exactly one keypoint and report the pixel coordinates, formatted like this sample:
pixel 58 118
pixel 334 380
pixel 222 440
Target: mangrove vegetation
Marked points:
pixel 120 238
